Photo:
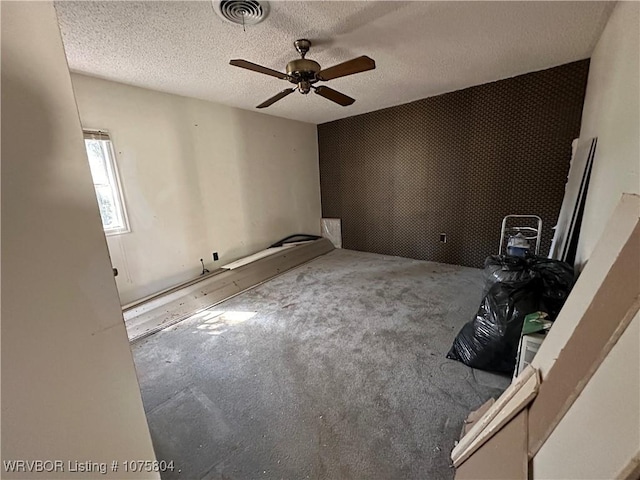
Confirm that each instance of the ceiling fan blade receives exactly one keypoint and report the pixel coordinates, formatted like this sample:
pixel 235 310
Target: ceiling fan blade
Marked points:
pixel 277 97
pixel 259 68
pixel 357 65
pixel 334 95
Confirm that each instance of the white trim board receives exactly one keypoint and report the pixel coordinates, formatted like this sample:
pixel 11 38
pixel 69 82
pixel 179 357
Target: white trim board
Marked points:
pixel 574 193
pixel 616 233
pixel 257 256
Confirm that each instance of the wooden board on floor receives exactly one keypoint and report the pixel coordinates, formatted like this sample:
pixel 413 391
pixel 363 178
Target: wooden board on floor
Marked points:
pixel 514 399
pixel 476 415
pixel 224 286
pixel 491 413
pixel 503 457
pixel 611 310
pixel 257 256
pixel 163 297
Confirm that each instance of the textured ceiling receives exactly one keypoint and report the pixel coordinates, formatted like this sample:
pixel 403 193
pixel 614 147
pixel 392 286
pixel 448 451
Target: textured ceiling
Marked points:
pixel 421 48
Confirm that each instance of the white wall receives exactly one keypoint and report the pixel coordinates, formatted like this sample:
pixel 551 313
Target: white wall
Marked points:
pixel 69 388
pixel 599 435
pixel 612 113
pixel 199 177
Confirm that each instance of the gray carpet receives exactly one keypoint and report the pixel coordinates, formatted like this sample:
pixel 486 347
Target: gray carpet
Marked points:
pixel 334 370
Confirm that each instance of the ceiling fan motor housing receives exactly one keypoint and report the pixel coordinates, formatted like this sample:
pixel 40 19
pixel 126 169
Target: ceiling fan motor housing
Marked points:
pixel 303 68
pixel 303 72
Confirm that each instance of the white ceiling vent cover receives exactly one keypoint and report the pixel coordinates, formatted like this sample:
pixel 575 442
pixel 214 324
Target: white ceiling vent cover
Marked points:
pixel 242 12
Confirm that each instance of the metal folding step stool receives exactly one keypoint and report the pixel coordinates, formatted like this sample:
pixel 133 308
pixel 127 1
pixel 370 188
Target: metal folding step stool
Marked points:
pixel 529 233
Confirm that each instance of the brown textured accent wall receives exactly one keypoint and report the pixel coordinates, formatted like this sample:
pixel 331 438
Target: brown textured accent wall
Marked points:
pixel 456 163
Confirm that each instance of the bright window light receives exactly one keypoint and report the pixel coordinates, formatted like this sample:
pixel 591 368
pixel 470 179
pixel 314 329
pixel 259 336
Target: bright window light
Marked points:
pixel 104 171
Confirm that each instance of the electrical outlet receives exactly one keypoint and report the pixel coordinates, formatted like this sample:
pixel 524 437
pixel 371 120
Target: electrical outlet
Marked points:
pixel 215 256
pixel 443 237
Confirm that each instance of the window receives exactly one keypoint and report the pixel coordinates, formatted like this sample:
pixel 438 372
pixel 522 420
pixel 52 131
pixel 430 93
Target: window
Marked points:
pixel 102 161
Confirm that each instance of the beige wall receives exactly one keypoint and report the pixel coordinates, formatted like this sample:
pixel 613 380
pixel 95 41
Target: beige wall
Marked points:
pixel 199 177
pixel 69 388
pixel 612 113
pixel 599 435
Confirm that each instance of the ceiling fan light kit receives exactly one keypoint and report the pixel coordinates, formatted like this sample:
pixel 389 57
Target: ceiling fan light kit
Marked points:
pixel 304 73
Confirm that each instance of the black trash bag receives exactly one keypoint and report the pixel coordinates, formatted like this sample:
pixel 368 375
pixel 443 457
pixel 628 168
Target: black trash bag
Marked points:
pixel 514 287
pixel 490 340
pixel 505 269
pixel 557 281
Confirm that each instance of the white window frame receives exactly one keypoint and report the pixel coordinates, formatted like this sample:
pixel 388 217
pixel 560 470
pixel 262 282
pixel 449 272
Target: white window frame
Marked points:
pixel 114 181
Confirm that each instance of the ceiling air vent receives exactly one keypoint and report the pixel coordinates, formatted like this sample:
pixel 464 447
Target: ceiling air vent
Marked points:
pixel 242 12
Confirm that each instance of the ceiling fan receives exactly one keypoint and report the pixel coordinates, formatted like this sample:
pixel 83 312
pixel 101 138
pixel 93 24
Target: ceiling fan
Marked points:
pixel 304 73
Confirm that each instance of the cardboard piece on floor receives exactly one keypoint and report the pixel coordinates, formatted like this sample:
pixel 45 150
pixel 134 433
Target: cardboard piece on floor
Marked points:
pixel 476 415
pixel 491 413
pixel 503 457
pixel 525 390
pixel 612 308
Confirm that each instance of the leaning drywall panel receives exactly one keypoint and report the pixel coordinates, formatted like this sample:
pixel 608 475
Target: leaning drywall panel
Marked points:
pixel 583 149
pixel 332 229
pixel 611 310
pixel 600 433
pixel 612 113
pixel 69 388
pixel 617 232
